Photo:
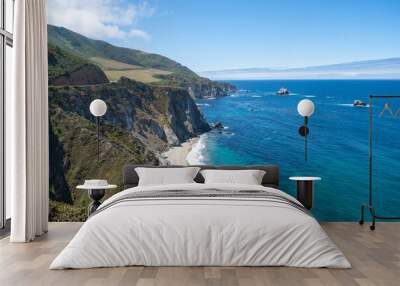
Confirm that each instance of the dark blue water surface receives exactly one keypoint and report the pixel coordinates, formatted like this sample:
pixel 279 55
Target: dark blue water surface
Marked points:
pixel 262 128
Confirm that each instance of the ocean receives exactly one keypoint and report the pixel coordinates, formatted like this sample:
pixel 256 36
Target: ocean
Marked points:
pixel 262 128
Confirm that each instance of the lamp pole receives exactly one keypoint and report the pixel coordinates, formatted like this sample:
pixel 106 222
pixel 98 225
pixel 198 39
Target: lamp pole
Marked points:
pixel 98 139
pixel 306 109
pixel 305 138
pixel 98 108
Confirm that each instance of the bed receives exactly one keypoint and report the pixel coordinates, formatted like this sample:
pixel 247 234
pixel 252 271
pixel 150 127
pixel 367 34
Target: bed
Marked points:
pixel 198 224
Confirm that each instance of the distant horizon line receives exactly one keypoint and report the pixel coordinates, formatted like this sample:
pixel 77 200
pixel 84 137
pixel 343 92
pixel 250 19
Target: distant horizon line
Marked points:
pixel 315 79
pixel 281 69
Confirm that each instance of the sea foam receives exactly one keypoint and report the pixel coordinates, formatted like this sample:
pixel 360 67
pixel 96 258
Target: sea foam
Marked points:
pixel 351 105
pixel 196 155
pixel 203 104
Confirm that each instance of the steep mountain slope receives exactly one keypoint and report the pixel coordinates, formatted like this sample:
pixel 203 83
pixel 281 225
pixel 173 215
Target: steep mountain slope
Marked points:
pixel 68 69
pixel 73 159
pixel 86 47
pixel 119 62
pixel 141 122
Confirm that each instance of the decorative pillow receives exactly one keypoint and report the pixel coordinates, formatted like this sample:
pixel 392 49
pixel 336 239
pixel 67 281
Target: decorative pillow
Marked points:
pixel 247 177
pixel 166 176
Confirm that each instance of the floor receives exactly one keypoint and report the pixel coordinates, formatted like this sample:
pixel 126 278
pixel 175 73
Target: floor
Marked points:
pixel 375 257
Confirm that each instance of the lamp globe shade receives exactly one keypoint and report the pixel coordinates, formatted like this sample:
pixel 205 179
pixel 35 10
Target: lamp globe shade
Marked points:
pixel 306 108
pixel 98 107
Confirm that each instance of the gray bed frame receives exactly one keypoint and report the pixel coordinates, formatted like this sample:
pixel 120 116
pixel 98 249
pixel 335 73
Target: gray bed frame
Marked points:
pixel 270 179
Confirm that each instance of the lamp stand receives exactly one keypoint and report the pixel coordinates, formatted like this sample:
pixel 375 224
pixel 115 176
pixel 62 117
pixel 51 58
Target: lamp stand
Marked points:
pixel 305 138
pixel 98 139
pixel 303 131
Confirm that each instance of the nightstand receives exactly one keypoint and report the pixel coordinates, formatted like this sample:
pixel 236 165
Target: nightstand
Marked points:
pixel 305 190
pixel 96 193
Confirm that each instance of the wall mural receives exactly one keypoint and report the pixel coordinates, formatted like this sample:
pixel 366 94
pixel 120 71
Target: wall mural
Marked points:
pixel 161 112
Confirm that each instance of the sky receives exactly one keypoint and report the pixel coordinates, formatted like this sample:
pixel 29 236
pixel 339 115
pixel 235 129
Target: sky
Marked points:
pixel 229 34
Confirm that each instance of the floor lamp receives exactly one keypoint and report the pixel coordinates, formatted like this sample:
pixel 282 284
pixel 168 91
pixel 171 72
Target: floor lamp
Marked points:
pixel 306 109
pixel 98 108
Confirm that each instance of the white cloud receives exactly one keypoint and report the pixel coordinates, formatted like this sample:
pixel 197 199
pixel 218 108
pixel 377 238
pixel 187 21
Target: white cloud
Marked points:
pixel 139 33
pixel 100 19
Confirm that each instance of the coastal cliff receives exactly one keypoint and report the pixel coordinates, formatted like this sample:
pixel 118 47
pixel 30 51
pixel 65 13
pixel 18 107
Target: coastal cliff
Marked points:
pixel 209 89
pixel 160 116
pixel 199 87
pixel 142 121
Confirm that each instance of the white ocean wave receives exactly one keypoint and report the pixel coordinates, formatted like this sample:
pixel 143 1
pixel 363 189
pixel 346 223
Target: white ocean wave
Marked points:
pixel 203 104
pixel 196 155
pixel 256 96
pixel 309 96
pixel 229 134
pixel 351 105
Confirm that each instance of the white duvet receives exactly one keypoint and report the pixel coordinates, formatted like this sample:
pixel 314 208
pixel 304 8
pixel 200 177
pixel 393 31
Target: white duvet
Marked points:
pixel 200 231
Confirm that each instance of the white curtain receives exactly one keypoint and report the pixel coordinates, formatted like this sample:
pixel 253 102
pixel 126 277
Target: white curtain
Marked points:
pixel 27 124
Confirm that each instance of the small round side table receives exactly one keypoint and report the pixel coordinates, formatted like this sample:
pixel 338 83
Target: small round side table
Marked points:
pixel 305 190
pixel 95 193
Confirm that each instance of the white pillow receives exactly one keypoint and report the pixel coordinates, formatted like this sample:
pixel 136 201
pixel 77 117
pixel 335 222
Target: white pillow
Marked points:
pixel 166 176
pixel 247 177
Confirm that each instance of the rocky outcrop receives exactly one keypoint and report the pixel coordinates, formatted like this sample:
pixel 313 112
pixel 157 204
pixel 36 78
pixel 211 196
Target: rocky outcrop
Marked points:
pixel 163 116
pixel 184 117
pixel 218 125
pixel 73 153
pixel 198 87
pixel 210 89
pixel 85 75
pixel 205 91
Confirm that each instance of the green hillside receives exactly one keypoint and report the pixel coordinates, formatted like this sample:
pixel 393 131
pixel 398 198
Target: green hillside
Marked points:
pixel 118 62
pixel 89 48
pixel 115 70
pixel 62 62
pixel 66 68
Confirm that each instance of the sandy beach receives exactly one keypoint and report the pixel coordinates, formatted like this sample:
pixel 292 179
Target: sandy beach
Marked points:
pixel 178 155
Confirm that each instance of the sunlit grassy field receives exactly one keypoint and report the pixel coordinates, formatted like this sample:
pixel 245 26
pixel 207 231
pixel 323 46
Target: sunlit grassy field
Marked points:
pixel 108 64
pixel 115 70
pixel 142 75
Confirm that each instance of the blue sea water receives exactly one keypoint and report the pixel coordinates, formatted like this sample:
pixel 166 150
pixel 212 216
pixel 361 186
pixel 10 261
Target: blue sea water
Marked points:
pixel 262 128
